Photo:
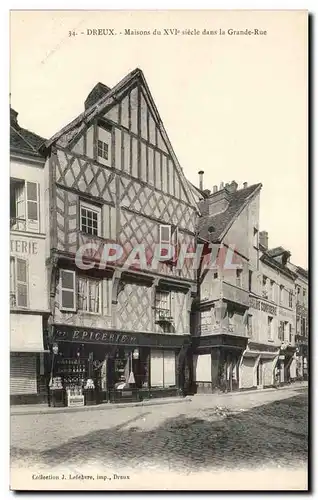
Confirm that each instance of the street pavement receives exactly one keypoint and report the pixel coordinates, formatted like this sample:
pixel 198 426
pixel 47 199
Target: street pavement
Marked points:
pixel 254 430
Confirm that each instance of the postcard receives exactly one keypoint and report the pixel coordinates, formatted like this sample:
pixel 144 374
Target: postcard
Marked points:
pixel 159 334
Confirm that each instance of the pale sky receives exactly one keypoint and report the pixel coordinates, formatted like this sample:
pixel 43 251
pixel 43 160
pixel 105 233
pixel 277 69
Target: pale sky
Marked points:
pixel 233 106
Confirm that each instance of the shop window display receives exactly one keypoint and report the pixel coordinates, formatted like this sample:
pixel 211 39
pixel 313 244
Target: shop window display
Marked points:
pixel 131 368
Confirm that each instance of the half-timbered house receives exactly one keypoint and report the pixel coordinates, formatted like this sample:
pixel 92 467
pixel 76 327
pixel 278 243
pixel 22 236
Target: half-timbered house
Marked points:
pixel 114 179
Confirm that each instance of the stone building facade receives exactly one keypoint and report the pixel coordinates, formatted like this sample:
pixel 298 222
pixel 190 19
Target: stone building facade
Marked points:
pixel 28 280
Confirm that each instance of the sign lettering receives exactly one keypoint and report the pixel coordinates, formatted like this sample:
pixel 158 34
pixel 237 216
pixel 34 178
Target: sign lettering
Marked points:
pixel 70 333
pixel 25 247
pixel 263 306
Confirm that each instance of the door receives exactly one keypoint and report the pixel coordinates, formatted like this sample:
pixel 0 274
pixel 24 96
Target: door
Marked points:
pixel 260 373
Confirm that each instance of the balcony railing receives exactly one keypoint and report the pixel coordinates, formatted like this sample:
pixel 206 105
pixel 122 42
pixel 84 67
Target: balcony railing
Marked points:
pixel 13 300
pixel 17 224
pixel 225 328
pixel 235 294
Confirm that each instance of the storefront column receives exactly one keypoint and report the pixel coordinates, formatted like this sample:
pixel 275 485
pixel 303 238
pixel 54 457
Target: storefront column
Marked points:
pixel 216 368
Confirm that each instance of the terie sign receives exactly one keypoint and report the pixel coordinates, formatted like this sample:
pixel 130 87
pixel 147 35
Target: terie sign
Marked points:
pixel 263 306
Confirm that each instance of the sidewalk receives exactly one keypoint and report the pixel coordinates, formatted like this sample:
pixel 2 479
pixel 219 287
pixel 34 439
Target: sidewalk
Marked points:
pixel 44 409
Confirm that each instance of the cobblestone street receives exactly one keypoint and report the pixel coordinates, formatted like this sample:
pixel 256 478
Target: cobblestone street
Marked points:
pixel 255 430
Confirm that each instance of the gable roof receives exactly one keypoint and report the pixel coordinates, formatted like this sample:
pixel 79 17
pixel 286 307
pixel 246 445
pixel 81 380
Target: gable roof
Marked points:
pixel 222 221
pixel 23 141
pixel 69 133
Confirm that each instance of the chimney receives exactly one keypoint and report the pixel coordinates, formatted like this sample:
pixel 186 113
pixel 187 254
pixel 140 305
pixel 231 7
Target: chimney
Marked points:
pixel 201 172
pixel 215 189
pixel 263 239
pixel 99 91
pixel 218 201
pixel 245 185
pixel 232 187
pixel 13 116
pixel 221 186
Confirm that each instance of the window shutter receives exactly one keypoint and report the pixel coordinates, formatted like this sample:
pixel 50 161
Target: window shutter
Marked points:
pixel 22 283
pixel 67 290
pixel 169 374
pixel 156 368
pixel 32 206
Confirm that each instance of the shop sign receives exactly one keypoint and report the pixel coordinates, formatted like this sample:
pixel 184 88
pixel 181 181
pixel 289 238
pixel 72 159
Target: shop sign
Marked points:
pixel 263 306
pixel 68 333
pixel 75 400
pixel 24 247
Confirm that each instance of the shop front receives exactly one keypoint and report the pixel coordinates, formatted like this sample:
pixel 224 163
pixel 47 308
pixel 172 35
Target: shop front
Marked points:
pixel 28 358
pixel 287 364
pixel 91 366
pixel 217 362
pixel 258 366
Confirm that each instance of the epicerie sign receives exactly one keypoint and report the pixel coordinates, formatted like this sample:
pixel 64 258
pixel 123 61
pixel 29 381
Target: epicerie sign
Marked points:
pixel 263 306
pixel 24 247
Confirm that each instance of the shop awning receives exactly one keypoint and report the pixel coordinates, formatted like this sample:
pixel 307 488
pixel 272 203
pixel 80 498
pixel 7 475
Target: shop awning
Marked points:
pixel 263 354
pixel 26 333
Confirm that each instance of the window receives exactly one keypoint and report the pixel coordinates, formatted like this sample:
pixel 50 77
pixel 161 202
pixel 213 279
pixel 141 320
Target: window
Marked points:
pixel 102 150
pixel 270 328
pixel 255 237
pixel 18 282
pixel 90 222
pixel 264 289
pixel 206 319
pixel 130 361
pixel 89 295
pixel 239 277
pixel 67 290
pixel 162 368
pixel 290 299
pixel 286 331
pixel 250 277
pixel 163 306
pixel 24 205
pixel 215 276
pixel 281 331
pixel 290 333
pixel 104 142
pixel 272 290
pixel 165 234
pixel 303 331
pixel 281 294
pixel 249 325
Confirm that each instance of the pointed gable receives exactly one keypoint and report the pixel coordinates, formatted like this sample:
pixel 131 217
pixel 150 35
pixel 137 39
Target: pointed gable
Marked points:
pixel 214 227
pixel 140 146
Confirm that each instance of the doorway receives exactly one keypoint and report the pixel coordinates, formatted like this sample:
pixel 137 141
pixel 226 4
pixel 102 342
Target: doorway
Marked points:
pixel 259 374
